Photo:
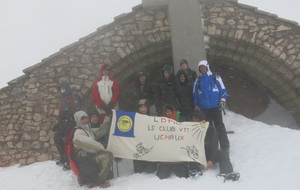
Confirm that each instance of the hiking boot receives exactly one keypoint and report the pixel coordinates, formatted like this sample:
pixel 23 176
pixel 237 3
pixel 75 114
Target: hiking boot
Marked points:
pixel 66 166
pixel 59 162
pixel 110 175
pixel 195 173
pixel 81 181
pixel 102 185
pixel 234 176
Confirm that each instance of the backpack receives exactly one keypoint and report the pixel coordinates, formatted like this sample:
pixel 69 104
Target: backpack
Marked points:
pixel 70 151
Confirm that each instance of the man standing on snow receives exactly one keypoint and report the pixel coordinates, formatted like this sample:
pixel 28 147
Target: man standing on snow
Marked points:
pixel 186 102
pixel 141 166
pixel 210 96
pixel 184 65
pixel 69 104
pixel 140 89
pixel 105 93
pixel 213 155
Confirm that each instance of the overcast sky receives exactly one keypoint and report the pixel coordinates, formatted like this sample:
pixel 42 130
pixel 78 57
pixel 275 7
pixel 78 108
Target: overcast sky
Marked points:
pixel 31 30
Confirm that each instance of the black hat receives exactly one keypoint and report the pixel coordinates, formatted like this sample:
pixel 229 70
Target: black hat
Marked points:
pixel 93 112
pixel 143 73
pixel 183 61
pixel 63 84
pixel 199 114
pixel 169 107
pixel 106 68
pixel 168 68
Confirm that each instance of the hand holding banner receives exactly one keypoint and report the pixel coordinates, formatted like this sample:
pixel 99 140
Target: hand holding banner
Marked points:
pixel 151 138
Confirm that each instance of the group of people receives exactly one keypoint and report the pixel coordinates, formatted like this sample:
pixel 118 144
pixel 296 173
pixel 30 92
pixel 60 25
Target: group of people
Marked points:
pixel 197 98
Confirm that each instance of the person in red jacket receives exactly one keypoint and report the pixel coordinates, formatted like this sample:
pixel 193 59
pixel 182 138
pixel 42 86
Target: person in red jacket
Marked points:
pixel 105 93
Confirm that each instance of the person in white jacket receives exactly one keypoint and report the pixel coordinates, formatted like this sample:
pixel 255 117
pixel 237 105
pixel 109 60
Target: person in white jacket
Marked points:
pixel 94 161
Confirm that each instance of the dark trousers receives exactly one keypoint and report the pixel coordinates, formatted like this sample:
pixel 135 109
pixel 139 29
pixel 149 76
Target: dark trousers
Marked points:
pixel 223 159
pixel 214 116
pixel 141 166
pixel 88 170
pixel 164 170
pixel 59 141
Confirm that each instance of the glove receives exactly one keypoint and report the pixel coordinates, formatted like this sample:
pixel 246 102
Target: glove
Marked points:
pixel 111 105
pixel 222 104
pixel 105 108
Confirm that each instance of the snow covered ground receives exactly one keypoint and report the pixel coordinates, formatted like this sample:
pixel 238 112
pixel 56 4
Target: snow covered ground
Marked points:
pixel 275 114
pixel 266 156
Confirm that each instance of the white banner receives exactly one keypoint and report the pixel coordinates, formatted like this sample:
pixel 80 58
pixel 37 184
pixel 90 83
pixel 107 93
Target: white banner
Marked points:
pixel 141 137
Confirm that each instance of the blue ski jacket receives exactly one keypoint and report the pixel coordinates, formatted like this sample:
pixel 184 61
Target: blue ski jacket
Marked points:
pixel 207 91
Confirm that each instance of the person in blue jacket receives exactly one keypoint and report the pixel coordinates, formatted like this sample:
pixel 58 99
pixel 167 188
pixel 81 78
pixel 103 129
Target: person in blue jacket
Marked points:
pixel 210 96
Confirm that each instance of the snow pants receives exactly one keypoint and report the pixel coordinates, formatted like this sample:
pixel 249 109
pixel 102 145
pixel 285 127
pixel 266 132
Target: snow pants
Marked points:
pixel 95 169
pixel 214 116
pixel 59 141
pixel 164 170
pixel 141 166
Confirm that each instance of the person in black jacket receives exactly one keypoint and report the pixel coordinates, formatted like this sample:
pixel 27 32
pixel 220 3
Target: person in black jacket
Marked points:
pixel 184 65
pixel 167 90
pixel 141 166
pixel 186 102
pixel 69 104
pixel 213 155
pixel 140 89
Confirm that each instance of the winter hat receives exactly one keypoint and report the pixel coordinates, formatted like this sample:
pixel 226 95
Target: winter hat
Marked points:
pixel 169 107
pixel 145 103
pixel 182 72
pixel 93 112
pixel 106 68
pixel 205 63
pixel 78 116
pixel 143 73
pixel 183 61
pixel 168 68
pixel 142 102
pixel 64 84
pixel 199 114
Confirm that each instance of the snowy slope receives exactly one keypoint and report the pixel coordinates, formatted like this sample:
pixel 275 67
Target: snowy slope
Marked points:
pixel 267 157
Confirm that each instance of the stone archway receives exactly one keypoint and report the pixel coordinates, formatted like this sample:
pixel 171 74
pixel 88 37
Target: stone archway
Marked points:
pixel 260 46
pixel 266 50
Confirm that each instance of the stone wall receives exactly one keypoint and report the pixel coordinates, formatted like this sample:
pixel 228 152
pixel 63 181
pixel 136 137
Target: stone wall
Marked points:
pixel 29 105
pixel 259 44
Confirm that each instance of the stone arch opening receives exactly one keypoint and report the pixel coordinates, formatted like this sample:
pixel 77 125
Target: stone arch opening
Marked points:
pixel 264 75
pixel 152 58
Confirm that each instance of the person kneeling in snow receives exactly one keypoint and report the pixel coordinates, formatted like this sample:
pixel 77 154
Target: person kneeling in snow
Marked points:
pixel 94 161
pixel 213 155
pixel 165 169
